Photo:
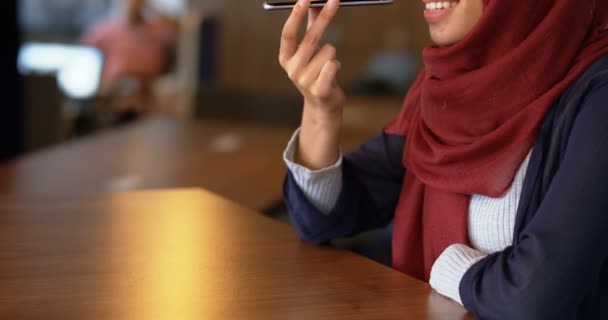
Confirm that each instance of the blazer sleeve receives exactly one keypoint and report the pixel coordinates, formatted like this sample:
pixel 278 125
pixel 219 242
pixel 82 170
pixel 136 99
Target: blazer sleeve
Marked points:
pixel 555 267
pixel 372 179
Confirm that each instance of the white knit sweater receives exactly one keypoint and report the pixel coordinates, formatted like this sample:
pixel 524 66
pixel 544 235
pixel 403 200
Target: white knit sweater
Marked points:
pixel 490 224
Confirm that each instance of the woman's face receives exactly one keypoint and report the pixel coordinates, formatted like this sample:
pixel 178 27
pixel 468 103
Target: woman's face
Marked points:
pixel 451 20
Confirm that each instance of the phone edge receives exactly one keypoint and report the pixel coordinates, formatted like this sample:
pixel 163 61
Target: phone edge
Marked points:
pixel 269 7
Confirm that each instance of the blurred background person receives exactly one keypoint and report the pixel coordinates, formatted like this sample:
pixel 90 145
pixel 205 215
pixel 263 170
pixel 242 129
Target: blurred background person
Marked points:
pixel 138 47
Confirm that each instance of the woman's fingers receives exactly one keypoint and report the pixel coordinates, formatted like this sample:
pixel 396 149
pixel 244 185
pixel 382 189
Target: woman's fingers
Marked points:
pixel 313 13
pixel 289 36
pixel 325 85
pixel 319 26
pixel 312 71
pixel 310 43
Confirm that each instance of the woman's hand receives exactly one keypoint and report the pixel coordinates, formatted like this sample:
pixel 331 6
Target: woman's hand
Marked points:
pixel 313 69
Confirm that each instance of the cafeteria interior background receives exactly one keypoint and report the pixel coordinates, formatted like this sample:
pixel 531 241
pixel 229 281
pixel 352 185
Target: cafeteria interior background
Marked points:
pixel 221 76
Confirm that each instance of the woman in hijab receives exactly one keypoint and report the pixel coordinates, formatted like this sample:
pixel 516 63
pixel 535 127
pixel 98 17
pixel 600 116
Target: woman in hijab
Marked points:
pixel 495 171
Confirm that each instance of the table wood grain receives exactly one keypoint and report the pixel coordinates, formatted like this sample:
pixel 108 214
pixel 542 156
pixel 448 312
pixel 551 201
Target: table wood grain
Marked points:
pixel 186 254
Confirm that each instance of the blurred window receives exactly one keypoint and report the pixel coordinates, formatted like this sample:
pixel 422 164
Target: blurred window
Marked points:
pixel 78 68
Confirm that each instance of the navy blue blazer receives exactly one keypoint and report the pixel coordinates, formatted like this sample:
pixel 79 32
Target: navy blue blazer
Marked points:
pixel 557 266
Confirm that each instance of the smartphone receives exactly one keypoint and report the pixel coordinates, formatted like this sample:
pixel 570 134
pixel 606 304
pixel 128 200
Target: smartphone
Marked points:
pixel 321 3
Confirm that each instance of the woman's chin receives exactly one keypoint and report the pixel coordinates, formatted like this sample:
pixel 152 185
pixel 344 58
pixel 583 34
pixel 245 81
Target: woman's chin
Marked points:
pixel 443 40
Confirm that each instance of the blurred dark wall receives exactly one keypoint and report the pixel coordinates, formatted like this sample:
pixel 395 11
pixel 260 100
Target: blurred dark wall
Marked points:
pixel 248 43
pixel 11 118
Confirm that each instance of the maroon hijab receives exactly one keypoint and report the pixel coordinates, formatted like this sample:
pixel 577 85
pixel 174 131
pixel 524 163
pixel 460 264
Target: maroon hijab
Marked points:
pixel 474 112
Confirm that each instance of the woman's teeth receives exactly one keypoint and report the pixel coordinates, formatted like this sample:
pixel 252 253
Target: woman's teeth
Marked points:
pixel 440 5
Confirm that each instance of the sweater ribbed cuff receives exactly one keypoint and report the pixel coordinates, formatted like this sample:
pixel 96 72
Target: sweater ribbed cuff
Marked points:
pixel 450 267
pixel 321 187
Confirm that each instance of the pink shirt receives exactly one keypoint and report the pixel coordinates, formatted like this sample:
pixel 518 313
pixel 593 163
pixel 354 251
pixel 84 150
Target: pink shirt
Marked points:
pixel 139 51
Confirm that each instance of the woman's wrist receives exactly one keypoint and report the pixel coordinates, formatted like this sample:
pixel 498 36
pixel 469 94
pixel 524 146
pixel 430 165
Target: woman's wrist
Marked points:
pixel 319 140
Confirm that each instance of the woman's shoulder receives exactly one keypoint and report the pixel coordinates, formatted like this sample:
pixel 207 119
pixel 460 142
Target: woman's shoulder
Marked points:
pixel 582 106
pixel 579 95
pixel 595 78
pixel 585 104
pixel 592 87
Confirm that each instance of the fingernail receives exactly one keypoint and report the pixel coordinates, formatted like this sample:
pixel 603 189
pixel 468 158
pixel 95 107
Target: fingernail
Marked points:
pixel 303 3
pixel 333 4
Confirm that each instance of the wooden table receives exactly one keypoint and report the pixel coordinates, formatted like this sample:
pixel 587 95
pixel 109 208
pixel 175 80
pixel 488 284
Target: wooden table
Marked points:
pixel 186 254
pixel 240 161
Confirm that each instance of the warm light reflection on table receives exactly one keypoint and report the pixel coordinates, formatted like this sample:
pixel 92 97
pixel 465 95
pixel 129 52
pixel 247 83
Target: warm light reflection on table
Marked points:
pixel 171 250
pixel 186 255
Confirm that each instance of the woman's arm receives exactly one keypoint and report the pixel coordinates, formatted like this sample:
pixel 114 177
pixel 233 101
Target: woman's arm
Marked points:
pixel 559 258
pixel 364 200
pixel 321 187
pixel 371 184
pixel 313 68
